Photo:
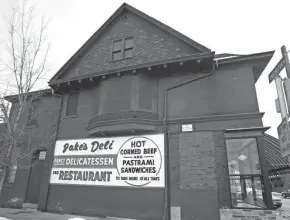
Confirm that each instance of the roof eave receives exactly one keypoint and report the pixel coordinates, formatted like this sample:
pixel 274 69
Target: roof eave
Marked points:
pixel 14 98
pixel 250 57
pixel 199 56
pixel 261 60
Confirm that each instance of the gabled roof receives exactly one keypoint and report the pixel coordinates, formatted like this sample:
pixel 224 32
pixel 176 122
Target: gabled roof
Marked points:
pixel 125 7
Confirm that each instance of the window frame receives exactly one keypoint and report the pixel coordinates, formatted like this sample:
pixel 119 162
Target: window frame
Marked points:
pixel 246 135
pixel 123 49
pixel 67 102
pixel 30 112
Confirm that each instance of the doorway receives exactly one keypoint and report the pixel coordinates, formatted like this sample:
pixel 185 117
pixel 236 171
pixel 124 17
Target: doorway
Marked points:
pixel 35 174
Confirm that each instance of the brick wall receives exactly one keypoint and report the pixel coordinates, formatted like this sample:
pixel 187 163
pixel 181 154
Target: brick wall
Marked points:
pixel 221 170
pixel 75 127
pixel 227 91
pixel 126 202
pixel 198 185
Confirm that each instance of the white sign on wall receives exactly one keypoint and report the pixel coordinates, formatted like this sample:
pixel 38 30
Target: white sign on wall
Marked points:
pixel 187 127
pixel 42 155
pixel 116 161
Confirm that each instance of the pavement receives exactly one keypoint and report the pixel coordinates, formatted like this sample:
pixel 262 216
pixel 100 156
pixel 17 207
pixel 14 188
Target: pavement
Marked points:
pixel 20 214
pixel 285 205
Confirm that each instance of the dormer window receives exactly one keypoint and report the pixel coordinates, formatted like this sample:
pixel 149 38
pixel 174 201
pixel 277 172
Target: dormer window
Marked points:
pixel 123 49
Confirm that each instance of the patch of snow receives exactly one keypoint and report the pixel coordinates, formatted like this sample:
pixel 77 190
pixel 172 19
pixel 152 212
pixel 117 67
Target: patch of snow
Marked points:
pixel 2 218
pixel 74 219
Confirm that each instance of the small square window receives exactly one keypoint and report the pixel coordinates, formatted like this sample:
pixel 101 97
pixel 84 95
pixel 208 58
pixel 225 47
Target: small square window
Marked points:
pixel 129 43
pixel 123 49
pixel 117 46
pixel 117 55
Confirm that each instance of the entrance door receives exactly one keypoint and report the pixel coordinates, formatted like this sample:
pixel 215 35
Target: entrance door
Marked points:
pixel 32 192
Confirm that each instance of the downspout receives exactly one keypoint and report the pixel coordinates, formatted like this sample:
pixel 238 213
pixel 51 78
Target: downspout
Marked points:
pixel 56 134
pixel 167 197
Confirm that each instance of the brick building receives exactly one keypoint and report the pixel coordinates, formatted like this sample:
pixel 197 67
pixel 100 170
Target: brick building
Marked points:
pixel 138 78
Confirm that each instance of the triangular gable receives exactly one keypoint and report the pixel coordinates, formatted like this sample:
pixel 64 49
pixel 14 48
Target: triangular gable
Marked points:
pixel 193 47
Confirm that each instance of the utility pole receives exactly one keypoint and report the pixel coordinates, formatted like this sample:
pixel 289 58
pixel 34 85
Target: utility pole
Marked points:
pixel 285 55
pixel 281 97
pixel 287 86
pixel 284 100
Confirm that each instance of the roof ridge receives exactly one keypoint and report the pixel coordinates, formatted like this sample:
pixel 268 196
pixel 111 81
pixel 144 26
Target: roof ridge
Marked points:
pixel 153 20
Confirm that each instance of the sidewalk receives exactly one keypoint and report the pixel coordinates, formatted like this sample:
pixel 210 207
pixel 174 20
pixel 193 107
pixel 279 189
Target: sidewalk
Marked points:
pixel 20 214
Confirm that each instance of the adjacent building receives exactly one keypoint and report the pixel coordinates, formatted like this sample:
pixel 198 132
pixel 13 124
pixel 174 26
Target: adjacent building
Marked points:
pixel 278 167
pixel 144 122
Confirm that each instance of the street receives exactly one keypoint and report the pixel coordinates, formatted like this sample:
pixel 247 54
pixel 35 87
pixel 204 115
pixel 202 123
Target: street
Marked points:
pixel 285 205
pixel 18 214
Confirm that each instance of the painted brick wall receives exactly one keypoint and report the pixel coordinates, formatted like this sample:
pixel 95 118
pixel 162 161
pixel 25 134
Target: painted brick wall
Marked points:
pixel 151 44
pixel 75 127
pixel 230 91
pixel 123 202
pixel 197 161
pixel 42 136
pixel 227 91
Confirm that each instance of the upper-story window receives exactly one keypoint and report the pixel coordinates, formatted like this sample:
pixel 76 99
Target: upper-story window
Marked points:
pixel 72 104
pixel 33 113
pixel 123 49
pixel 118 94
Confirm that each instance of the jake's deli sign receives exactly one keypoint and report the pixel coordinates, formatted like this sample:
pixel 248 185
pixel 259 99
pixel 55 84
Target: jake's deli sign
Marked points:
pixel 118 161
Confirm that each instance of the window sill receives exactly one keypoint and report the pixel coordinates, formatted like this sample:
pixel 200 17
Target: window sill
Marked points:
pixel 122 59
pixel 70 116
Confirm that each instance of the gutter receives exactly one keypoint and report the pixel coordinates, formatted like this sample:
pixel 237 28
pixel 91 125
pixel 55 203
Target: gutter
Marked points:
pixel 135 67
pixel 56 134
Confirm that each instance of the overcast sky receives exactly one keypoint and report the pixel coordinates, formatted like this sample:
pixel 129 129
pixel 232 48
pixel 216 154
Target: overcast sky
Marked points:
pixel 224 26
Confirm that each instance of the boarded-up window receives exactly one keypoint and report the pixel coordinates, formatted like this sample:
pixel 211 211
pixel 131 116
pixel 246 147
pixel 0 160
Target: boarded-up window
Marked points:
pixel 123 49
pixel 118 95
pixel 147 90
pixel 72 104
pixel 33 113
